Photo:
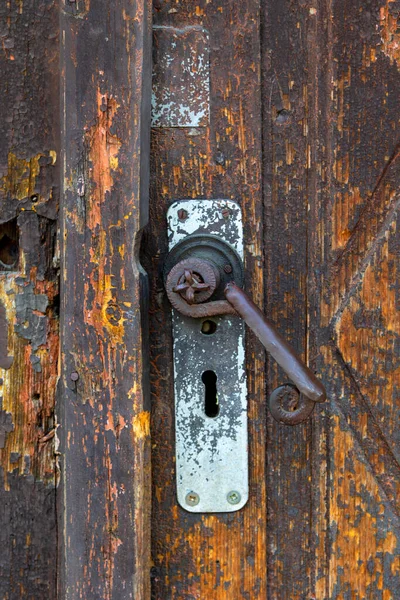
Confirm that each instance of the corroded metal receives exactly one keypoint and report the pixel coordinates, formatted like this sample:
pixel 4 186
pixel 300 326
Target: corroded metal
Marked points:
pixel 193 279
pixel 299 406
pixel 186 292
pixel 221 255
pixel 310 388
pixel 211 451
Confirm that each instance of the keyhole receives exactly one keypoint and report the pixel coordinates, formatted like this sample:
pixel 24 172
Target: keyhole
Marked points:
pixel 211 406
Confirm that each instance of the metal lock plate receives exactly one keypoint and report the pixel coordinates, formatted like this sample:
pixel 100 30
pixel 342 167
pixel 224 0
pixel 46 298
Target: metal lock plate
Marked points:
pixel 209 368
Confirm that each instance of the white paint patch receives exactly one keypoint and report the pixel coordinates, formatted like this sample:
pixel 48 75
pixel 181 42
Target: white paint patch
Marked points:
pixel 211 453
pixel 181 77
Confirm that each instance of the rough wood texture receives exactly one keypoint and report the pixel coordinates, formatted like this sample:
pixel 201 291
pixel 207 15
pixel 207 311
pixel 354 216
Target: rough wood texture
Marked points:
pixel 355 237
pixel 29 159
pixel 103 409
pixel 209 556
pixel 332 140
pixel 330 143
pixel 288 138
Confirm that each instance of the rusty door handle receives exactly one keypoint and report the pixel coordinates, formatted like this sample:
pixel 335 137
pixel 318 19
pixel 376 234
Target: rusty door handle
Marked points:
pixel 309 388
pixel 192 281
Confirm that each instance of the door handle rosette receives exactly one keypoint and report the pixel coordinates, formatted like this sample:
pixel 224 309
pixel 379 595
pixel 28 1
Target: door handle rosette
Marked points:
pixel 194 287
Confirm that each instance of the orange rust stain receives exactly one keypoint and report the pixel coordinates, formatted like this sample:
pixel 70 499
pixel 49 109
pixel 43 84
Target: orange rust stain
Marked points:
pixel 354 498
pixel 389 30
pixel 104 314
pixel 341 168
pixel 104 148
pixel 343 210
pixel 141 424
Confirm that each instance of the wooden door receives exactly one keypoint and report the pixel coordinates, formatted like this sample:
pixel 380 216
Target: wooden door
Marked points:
pixel 75 474
pixel 288 107
pixel 301 128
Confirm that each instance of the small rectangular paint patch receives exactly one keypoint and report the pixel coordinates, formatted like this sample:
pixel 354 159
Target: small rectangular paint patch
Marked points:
pixel 181 77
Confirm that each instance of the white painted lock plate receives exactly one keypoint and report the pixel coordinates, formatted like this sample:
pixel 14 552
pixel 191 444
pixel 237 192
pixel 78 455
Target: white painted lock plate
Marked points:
pixel 210 380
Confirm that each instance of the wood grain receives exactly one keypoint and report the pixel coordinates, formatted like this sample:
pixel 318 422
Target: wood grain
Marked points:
pixel 209 556
pixel 103 412
pixel 356 240
pixel 330 245
pixel 29 297
pixel 289 139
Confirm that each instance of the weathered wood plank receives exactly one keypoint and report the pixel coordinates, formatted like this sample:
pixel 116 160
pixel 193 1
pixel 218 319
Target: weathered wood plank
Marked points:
pixel 356 245
pixel 103 405
pixel 29 193
pixel 211 557
pixel 289 139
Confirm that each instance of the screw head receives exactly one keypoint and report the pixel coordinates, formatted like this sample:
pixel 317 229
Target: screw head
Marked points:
pixel 192 499
pixel 74 376
pixel 234 497
pixel 227 268
pixel 182 214
pixel 225 212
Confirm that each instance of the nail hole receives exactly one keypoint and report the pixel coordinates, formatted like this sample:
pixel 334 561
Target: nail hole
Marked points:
pixel 211 405
pixel 34 198
pixel 208 327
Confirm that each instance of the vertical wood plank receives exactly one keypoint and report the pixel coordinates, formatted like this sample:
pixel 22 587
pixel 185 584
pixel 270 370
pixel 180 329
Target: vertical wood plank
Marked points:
pixel 356 239
pixel 211 556
pixel 29 194
pixel 103 404
pixel 289 141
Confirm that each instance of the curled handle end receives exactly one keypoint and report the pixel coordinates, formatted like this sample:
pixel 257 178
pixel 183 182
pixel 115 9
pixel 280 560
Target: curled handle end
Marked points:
pixel 310 389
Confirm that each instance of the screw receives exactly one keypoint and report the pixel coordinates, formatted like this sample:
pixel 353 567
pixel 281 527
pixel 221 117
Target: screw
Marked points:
pixel 192 498
pixel 189 284
pixel 34 198
pixel 182 214
pixel 227 268
pixel 234 497
pixel 225 212
pixel 74 376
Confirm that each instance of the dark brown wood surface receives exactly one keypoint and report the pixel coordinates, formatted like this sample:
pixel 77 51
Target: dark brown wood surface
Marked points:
pixel 29 296
pixel 322 520
pixel 303 131
pixel 287 34
pixel 104 501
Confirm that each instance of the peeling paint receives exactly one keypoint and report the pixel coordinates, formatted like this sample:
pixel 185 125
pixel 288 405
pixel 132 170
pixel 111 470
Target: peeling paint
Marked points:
pixel 5 360
pixel 181 77
pixel 389 30
pixel 211 453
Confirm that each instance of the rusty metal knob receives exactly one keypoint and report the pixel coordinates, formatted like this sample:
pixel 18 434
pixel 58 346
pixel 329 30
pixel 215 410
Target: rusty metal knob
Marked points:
pixel 191 282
